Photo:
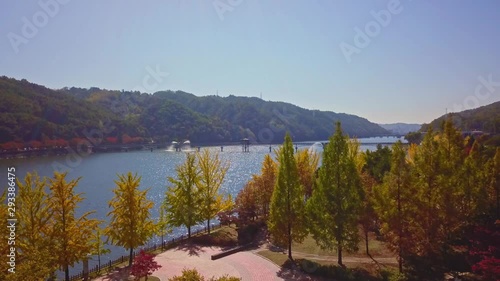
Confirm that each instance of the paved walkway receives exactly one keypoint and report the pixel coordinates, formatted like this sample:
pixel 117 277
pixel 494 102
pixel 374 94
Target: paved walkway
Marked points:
pixel 246 265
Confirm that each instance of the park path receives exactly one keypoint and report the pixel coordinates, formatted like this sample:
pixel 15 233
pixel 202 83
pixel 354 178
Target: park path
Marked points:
pixel 246 265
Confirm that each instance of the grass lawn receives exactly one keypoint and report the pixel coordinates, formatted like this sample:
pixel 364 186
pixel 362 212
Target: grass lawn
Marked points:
pixel 225 236
pixel 324 262
pixel 377 248
pixel 276 257
pixel 330 269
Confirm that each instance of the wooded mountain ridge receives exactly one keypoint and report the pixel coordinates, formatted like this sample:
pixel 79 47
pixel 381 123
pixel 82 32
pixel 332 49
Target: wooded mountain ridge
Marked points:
pixel 31 112
pixel 485 118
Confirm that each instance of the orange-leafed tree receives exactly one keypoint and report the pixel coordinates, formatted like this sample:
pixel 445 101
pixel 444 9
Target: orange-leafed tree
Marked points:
pixel 265 183
pixel 246 203
pixel 307 164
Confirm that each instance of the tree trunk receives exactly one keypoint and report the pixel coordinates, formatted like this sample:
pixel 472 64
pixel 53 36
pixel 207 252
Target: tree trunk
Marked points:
pixel 366 243
pixel 400 230
pixel 189 232
pixel 66 273
pixel 498 199
pixel 208 226
pixel 130 257
pixel 339 252
pixel 400 260
pixel 290 241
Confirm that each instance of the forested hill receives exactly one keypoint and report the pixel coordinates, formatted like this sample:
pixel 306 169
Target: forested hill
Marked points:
pixel 30 112
pixel 33 112
pixel 485 118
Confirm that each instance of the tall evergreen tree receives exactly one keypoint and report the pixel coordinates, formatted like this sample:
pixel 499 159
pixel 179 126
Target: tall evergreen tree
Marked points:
pixel 494 191
pixel 451 189
pixel 183 198
pixel 286 219
pixel 394 204
pixel 336 202
pixel 130 224
pixel 474 182
pixel 427 170
pixel 368 217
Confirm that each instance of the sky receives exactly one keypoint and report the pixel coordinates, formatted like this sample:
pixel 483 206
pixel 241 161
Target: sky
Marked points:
pixel 387 61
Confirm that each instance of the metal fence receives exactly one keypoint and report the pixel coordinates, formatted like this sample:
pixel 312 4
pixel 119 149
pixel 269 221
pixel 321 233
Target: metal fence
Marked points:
pixel 164 245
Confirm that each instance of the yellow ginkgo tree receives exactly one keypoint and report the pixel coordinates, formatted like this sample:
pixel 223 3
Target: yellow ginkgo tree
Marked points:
pixel 183 197
pixel 130 225
pixel 162 226
pixel 212 173
pixel 34 241
pixel 71 234
pixel 98 245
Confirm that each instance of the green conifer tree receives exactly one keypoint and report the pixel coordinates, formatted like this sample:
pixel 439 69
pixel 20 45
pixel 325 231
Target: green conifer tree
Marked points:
pixel 286 218
pixel 336 202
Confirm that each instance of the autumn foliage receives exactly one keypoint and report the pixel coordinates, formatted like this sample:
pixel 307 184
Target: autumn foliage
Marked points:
pixel 144 265
pixel 485 251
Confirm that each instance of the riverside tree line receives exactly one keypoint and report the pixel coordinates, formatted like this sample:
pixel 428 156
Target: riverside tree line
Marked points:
pixel 426 201
pixel 50 235
pixel 435 204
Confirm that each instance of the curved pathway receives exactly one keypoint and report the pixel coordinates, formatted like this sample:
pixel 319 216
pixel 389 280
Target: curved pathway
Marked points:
pixel 245 265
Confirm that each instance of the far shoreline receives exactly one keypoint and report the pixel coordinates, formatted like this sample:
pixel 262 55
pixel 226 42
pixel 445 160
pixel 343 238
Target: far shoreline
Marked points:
pixel 107 148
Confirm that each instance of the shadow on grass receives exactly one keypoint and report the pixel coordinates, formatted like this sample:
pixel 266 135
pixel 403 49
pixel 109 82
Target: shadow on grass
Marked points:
pixel 304 269
pixel 226 238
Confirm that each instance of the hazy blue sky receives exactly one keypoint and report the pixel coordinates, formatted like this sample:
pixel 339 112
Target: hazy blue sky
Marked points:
pixel 426 58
